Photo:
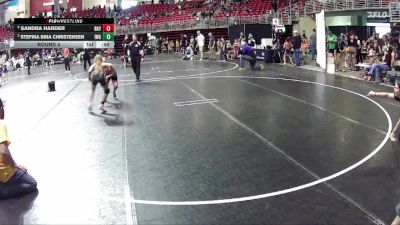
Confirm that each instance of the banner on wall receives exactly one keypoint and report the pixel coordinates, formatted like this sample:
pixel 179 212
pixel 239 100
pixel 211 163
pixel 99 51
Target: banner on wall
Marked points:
pixel 321 37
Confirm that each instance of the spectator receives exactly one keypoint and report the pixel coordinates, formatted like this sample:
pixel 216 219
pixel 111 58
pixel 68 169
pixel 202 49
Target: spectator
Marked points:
pixel 351 52
pixel 200 43
pixel 274 6
pixel 177 46
pixel 171 47
pixel 159 44
pixel 297 48
pixel 364 50
pixel 377 68
pixel 251 40
pixel 86 58
pixel 247 54
pixel 304 44
pixel 332 43
pixel 211 46
pixel 287 46
pixel 189 53
pixel 241 37
pixel 229 52
pixel 184 43
pixel 340 53
pixel 236 48
pixel 313 42
pixel 67 56
pixel 28 61
pixel 15 181
pixel 21 62
pixel 304 35
pixel 15 63
pixel 223 50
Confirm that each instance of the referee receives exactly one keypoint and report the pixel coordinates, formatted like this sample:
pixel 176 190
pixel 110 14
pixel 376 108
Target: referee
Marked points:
pixel 86 58
pixel 136 54
pixel 28 61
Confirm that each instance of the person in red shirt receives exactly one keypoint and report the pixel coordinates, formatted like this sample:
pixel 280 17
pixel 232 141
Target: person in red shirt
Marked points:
pixel 110 53
pixel 67 56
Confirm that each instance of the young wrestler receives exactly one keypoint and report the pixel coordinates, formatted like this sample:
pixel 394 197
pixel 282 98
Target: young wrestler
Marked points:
pixel 96 75
pixel 110 74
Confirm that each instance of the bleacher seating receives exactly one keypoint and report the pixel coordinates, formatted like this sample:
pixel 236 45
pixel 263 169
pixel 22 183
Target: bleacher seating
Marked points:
pixel 93 13
pixel 161 13
pixel 149 14
pixel 6 33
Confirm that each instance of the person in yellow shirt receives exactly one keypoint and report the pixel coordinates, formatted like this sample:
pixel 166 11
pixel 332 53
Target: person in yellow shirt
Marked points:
pixel 15 181
pixel 177 46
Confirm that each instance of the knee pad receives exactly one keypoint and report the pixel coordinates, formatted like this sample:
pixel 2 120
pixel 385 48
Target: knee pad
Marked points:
pixel 107 91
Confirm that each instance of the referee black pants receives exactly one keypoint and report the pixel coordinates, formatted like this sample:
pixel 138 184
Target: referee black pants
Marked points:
pixel 84 62
pixel 135 60
pixel 67 66
pixel 28 64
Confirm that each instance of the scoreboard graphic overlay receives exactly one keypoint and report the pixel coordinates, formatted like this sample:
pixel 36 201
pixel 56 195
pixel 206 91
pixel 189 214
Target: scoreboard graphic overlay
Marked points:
pixel 64 33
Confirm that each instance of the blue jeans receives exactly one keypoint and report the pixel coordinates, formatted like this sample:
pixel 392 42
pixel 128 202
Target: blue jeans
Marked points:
pixel 252 61
pixel 21 183
pixel 297 56
pixel 313 52
pixel 376 70
pixel 222 55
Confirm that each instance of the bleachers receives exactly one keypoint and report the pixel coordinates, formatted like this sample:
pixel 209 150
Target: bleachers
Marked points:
pixel 254 7
pixel 158 14
pixel 6 33
pixel 161 13
pixel 93 13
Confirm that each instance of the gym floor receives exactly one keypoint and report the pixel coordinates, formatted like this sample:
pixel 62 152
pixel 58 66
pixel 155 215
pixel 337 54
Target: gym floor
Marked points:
pixel 198 142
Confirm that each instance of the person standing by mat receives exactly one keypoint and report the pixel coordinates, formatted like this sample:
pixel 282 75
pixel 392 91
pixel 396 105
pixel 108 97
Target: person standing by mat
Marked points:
pixel 4 68
pixel 67 55
pixel 211 46
pixel 395 135
pixel 297 47
pixel 28 61
pixel 136 54
pixel 247 54
pixel 200 43
pixel 125 47
pixel 86 58
pixel 15 181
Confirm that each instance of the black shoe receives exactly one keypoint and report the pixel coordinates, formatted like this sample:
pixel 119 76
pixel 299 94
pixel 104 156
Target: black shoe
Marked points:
pixel 137 79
